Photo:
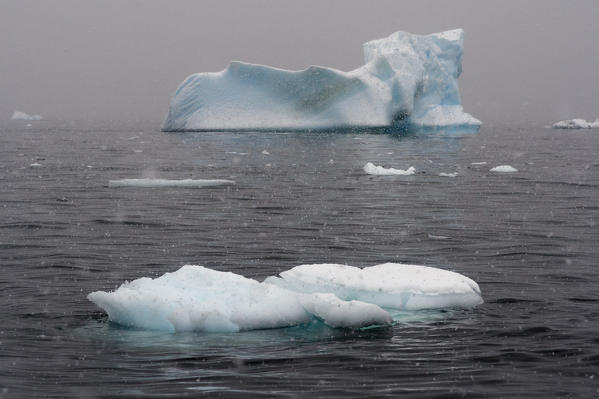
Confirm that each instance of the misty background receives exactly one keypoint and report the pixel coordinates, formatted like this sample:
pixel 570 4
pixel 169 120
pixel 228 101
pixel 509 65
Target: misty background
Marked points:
pixel 113 61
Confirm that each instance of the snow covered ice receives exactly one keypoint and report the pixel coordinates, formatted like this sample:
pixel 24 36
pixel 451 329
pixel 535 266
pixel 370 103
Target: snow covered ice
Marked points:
pixel 389 285
pixel 151 183
pixel 22 116
pixel 372 169
pixel 407 81
pixel 576 123
pixel 195 298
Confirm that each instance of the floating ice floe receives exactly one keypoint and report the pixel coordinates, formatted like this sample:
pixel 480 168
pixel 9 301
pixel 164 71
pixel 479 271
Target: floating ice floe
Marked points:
pixel 503 169
pixel 576 123
pixel 407 81
pixel 22 116
pixel 195 298
pixel 451 174
pixel 372 169
pixel 192 183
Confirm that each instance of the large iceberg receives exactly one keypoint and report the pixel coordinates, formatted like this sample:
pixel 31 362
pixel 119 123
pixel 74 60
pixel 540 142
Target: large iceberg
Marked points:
pixel 195 298
pixel 407 81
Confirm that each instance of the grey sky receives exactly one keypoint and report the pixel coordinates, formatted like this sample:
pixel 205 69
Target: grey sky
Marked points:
pixel 121 60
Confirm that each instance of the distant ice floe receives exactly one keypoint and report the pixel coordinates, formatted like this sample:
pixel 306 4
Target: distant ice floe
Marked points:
pixel 407 80
pixel 195 298
pixel 576 123
pixel 503 169
pixel 191 183
pixel 446 174
pixel 372 169
pixel 22 116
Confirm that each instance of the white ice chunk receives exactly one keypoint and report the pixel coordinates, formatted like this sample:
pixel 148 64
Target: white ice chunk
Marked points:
pixel 451 174
pixel 407 80
pixel 195 298
pixel 372 169
pixel 503 169
pixel 390 285
pixel 576 123
pixel 192 183
pixel 22 116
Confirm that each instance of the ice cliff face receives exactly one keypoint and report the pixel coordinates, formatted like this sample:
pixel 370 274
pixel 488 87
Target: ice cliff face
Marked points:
pixel 407 81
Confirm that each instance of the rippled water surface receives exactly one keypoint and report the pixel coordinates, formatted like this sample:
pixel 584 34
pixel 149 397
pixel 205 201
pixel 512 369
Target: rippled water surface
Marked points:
pixel 529 238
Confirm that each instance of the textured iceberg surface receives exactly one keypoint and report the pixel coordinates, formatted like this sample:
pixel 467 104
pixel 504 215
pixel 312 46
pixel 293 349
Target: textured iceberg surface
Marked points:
pixel 576 123
pixel 407 81
pixel 195 298
pixel 22 116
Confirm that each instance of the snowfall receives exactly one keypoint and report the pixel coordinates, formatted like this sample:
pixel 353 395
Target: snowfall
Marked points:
pixel 195 298
pixel 407 81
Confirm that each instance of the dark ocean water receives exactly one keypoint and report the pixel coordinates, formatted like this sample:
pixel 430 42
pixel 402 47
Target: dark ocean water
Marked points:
pixel 530 239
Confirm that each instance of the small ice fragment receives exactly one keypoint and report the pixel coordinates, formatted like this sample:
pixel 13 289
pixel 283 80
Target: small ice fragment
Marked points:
pixel 22 116
pixel 372 169
pixel 452 174
pixel 435 237
pixel 36 165
pixel 504 169
pixel 264 152
pixel 331 161
pixel 576 123
pixel 192 183
pixel 137 151
pixel 478 163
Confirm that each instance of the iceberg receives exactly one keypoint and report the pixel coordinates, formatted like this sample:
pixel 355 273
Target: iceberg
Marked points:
pixel 195 298
pixel 407 81
pixel 22 116
pixel 576 123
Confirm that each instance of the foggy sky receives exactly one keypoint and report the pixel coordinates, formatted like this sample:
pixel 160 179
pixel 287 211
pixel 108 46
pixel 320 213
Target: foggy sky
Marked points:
pixel 525 61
